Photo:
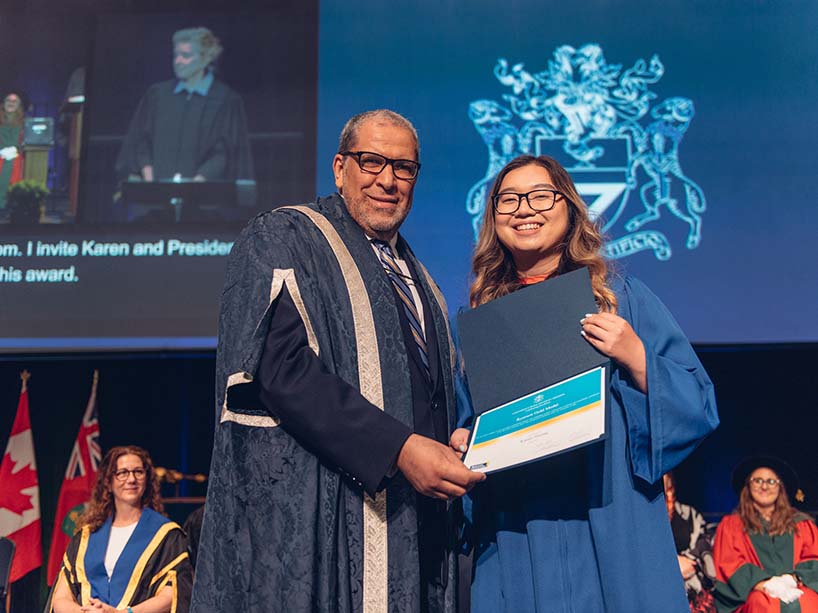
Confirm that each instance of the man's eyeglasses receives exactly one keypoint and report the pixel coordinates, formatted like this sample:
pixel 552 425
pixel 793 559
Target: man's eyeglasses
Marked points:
pixel 122 474
pixel 758 482
pixel 374 163
pixel 539 200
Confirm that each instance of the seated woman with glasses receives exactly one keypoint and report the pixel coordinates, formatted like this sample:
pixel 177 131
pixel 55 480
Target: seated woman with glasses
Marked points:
pixel 586 530
pixel 126 555
pixel 766 552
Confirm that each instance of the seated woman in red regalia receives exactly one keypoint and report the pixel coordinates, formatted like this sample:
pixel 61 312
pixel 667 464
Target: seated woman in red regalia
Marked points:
pixel 11 142
pixel 766 553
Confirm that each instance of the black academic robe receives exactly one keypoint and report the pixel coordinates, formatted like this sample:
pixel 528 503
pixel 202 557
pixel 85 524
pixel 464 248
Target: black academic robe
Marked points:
pixel 155 557
pixel 302 513
pixel 188 134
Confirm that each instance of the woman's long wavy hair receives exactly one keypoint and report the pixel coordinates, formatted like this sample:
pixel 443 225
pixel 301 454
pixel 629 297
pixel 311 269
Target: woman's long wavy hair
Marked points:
pixel 493 267
pixel 101 506
pixel 783 519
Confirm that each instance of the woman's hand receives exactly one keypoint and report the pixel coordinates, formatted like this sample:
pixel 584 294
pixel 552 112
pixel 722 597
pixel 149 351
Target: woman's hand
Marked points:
pixel 95 605
pixel 459 440
pixel 615 337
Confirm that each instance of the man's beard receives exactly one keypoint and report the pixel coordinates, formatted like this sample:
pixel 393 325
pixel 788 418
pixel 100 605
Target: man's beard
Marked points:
pixel 371 221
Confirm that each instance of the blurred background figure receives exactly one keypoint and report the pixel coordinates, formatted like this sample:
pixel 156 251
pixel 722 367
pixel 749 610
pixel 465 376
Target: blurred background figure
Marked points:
pixel 766 552
pixel 126 551
pixel 11 140
pixel 193 530
pixel 694 550
pixel 190 127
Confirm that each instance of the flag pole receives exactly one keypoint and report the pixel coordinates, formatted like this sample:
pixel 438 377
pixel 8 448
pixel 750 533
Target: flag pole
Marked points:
pixel 24 377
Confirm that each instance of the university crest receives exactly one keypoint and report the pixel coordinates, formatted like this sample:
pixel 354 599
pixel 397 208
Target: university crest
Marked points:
pixel 604 125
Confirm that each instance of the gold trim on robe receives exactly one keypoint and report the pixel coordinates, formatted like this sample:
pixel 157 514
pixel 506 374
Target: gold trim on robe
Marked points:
pixel 281 278
pixel 375 563
pixel 142 562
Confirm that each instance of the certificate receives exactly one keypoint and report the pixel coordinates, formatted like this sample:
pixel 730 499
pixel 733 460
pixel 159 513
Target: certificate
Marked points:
pixel 537 387
pixel 548 421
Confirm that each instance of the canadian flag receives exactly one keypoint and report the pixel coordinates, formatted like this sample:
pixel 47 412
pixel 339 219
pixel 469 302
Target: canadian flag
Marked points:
pixel 78 484
pixel 20 493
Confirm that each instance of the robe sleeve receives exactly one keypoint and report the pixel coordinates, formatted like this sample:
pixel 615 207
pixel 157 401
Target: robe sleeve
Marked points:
pixel 137 148
pixel 67 574
pixel 737 566
pixel 240 160
pixel 679 410
pixel 215 162
pixel 229 156
pixel 172 568
pixel 321 410
pixel 806 556
pixel 465 411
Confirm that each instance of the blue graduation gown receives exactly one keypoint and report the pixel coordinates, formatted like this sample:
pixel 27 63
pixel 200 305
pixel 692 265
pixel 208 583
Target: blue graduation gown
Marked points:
pixel 587 531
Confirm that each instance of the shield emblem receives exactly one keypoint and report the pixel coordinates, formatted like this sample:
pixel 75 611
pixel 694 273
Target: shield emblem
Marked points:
pixel 602 180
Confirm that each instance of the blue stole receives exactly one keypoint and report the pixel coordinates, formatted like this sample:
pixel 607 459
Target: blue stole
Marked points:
pixel 111 592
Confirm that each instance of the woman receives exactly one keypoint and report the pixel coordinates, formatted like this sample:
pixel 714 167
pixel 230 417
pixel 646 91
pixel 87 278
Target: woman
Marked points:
pixel 586 531
pixel 11 140
pixel 693 550
pixel 126 556
pixel 766 552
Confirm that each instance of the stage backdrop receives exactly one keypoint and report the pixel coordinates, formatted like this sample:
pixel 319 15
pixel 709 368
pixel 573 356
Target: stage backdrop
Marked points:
pixel 690 128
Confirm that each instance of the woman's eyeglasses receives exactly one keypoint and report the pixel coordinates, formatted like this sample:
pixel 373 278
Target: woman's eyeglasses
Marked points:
pixel 122 474
pixel 539 200
pixel 758 482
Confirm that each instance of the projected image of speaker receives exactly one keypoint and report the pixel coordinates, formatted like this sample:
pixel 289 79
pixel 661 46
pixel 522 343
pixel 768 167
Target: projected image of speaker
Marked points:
pixel 38 131
pixel 197 101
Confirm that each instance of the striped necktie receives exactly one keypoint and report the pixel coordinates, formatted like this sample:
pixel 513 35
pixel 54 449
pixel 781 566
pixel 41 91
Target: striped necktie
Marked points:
pixel 393 271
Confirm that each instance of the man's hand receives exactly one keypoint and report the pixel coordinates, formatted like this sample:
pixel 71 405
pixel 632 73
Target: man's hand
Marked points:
pixel 434 470
pixel 147 173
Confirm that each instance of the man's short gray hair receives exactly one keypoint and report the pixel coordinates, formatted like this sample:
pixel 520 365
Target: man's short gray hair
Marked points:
pixel 349 135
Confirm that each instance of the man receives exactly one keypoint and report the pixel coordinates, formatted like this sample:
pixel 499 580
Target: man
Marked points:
pixel 330 471
pixel 192 127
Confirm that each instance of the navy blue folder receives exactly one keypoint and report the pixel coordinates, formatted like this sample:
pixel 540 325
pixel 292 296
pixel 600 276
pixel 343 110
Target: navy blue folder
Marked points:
pixel 528 340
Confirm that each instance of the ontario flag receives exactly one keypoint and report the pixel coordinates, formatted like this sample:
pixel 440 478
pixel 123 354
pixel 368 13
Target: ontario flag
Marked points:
pixel 77 485
pixel 20 492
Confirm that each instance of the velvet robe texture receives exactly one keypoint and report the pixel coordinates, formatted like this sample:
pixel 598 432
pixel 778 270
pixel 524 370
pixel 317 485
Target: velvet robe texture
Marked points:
pixel 743 560
pixel 285 529
pixel 587 531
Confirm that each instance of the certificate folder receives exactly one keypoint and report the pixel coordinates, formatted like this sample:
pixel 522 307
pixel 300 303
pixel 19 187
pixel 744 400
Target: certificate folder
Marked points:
pixel 522 354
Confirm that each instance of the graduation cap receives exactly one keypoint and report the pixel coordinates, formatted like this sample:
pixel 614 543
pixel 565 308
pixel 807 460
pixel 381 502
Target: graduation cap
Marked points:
pixel 784 471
